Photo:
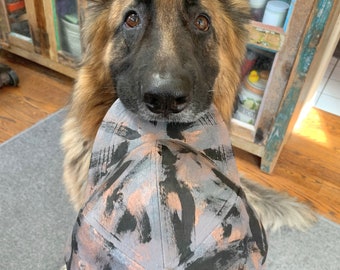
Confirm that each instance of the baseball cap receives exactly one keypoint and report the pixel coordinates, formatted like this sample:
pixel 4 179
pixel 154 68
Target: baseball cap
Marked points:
pixel 164 196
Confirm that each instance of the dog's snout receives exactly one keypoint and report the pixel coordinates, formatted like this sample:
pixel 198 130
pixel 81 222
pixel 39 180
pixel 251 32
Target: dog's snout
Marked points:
pixel 165 103
pixel 167 95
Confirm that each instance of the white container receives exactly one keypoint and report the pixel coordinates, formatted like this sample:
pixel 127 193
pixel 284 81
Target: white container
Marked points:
pixel 275 13
pixel 250 97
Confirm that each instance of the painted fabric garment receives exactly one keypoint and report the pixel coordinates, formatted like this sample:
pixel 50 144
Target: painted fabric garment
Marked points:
pixel 164 196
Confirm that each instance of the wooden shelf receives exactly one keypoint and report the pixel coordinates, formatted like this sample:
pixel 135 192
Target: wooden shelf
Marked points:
pixel 243 137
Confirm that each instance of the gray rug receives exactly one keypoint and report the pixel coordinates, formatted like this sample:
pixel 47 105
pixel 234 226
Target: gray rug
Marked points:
pixel 36 218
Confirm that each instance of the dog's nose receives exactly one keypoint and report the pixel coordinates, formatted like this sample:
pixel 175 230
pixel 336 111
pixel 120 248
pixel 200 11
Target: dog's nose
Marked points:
pixel 165 103
pixel 167 95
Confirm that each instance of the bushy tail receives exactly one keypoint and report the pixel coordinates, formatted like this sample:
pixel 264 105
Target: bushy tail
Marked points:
pixel 277 209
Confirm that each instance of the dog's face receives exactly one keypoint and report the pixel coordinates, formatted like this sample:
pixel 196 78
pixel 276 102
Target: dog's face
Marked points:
pixel 164 56
pixel 165 62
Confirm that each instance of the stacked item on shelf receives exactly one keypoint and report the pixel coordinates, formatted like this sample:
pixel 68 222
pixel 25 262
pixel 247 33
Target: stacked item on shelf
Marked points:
pixel 275 13
pixel 250 96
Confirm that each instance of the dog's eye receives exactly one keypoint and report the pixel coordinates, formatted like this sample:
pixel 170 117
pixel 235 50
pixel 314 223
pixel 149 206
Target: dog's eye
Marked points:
pixel 202 23
pixel 132 20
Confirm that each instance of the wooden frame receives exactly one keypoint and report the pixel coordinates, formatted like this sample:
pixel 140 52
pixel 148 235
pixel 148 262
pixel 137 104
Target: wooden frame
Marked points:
pixel 4 24
pixel 324 11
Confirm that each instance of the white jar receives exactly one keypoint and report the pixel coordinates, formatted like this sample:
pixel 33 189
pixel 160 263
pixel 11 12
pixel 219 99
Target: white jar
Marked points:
pixel 250 97
pixel 275 13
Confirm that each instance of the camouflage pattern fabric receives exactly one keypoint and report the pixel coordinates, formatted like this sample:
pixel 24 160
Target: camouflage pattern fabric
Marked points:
pixel 164 196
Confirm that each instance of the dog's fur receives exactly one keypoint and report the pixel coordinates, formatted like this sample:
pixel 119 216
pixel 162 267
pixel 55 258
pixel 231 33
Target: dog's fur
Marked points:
pixel 147 52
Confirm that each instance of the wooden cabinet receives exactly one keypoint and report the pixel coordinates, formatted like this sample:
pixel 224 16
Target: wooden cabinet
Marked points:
pixel 44 31
pixel 47 32
pixel 294 48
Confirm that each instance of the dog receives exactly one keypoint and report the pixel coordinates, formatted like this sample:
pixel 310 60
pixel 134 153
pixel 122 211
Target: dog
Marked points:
pixel 167 61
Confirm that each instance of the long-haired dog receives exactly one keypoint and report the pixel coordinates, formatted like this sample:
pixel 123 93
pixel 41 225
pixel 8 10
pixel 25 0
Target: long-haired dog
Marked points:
pixel 166 61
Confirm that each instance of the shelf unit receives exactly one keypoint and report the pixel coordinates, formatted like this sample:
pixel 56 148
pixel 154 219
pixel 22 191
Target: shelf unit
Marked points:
pixel 293 48
pixel 43 44
pixel 252 138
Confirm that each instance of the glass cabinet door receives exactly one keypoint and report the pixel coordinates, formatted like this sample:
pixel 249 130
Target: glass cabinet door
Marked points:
pixel 17 17
pixel 68 34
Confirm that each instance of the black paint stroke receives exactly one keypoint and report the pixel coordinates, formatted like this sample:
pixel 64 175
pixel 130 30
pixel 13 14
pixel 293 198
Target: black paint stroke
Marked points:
pixel 183 226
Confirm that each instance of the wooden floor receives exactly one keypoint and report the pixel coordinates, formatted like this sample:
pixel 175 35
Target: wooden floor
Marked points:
pixel 40 93
pixel 308 168
pixel 309 164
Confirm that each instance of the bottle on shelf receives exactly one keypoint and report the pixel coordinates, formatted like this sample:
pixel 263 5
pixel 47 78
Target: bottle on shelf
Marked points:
pixel 250 96
pixel 248 62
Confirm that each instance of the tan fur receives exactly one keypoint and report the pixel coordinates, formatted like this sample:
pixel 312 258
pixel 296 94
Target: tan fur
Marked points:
pixel 167 40
pixel 92 96
pixel 277 210
pixel 231 52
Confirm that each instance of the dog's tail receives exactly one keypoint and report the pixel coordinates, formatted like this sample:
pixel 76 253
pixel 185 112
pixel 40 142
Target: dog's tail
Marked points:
pixel 277 209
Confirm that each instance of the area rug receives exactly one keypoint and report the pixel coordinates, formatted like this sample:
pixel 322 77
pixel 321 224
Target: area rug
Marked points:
pixel 36 218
